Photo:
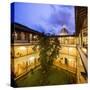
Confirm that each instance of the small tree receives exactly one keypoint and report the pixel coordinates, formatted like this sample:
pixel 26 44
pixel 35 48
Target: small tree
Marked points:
pixel 49 51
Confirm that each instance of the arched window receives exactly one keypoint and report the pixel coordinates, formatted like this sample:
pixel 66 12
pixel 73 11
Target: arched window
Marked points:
pixel 22 36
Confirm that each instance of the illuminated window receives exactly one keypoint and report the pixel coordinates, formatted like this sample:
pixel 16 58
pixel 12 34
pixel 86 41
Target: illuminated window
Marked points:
pixel 30 37
pixel 22 35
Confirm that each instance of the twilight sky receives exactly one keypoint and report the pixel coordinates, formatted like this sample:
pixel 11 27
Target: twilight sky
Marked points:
pixel 47 18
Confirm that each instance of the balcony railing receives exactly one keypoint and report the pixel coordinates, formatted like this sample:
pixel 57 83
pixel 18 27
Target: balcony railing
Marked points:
pixel 82 66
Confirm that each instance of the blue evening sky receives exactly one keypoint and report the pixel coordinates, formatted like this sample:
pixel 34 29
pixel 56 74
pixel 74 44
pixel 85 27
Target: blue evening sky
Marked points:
pixel 47 18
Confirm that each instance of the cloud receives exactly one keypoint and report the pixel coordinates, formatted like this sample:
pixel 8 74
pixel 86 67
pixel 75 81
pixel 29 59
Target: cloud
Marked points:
pixel 47 18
